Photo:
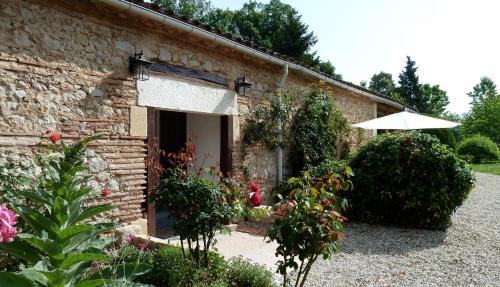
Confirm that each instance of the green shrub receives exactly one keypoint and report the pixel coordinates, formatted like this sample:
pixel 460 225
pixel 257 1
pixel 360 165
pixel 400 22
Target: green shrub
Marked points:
pixel 329 166
pixel 317 128
pixel 479 149
pixel 245 274
pixel 407 179
pixel 170 268
pixel 445 136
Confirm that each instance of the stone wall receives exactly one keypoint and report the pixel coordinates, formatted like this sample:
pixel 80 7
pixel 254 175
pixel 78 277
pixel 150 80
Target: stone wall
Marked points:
pixel 64 67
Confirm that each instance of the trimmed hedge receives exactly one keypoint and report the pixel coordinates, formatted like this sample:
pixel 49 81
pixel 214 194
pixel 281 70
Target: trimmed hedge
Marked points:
pixel 169 268
pixel 407 179
pixel 479 149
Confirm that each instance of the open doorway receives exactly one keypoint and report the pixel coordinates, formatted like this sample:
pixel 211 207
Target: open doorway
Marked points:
pixel 171 138
pixel 173 130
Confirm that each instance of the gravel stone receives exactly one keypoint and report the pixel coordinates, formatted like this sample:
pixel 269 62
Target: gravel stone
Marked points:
pixel 467 254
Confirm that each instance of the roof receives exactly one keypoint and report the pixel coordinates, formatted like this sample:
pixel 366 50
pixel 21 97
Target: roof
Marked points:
pixel 244 42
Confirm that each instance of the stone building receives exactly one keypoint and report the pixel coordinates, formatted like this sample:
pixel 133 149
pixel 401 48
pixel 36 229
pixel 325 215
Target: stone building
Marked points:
pixel 64 66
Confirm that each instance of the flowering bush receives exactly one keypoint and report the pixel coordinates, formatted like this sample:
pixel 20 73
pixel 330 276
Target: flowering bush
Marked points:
pixel 63 248
pixel 197 203
pixel 240 200
pixel 7 221
pixel 201 206
pixel 311 223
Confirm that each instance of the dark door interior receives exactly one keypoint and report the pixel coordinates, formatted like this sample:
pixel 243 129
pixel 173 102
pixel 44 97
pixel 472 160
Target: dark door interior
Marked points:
pixel 171 137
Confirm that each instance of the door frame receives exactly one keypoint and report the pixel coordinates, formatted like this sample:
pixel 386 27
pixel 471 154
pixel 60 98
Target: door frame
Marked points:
pixel 226 158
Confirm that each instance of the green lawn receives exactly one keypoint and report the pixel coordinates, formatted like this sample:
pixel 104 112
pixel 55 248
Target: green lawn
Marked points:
pixel 493 168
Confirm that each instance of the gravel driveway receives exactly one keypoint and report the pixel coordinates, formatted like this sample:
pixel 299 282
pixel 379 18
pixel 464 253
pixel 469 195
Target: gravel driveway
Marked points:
pixel 468 254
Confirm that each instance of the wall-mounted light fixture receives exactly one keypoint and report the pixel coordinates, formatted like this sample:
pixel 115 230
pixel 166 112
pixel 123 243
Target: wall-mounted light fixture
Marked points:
pixel 139 67
pixel 241 85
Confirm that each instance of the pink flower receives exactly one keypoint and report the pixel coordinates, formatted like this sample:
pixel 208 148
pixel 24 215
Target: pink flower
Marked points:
pixel 130 239
pixel 7 221
pixel 254 187
pixel 105 192
pixel 141 245
pixel 256 199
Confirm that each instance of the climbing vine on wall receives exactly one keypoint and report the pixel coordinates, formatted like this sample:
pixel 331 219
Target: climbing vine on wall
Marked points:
pixel 311 123
pixel 318 127
pixel 263 125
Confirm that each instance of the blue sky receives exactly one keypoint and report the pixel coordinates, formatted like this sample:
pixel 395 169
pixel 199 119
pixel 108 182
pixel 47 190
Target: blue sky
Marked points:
pixel 453 42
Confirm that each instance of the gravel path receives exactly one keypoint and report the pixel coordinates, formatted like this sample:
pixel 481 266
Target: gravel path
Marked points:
pixel 468 254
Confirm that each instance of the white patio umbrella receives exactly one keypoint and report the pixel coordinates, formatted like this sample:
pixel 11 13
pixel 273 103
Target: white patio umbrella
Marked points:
pixel 406 121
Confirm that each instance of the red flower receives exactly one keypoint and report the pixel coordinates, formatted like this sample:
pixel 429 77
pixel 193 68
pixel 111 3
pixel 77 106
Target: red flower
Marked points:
pixel 256 199
pixel 105 192
pixel 141 246
pixel 254 187
pixel 54 137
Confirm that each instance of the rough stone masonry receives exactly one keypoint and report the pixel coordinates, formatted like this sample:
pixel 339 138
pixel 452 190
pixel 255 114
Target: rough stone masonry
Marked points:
pixel 64 67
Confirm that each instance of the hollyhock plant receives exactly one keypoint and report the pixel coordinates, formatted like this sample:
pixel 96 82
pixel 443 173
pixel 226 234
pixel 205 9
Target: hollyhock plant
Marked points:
pixel 63 242
pixel 7 221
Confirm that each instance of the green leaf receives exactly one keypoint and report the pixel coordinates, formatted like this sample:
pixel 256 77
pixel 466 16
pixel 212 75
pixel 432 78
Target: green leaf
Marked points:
pixel 56 276
pixel 60 210
pixel 52 170
pixel 124 271
pixel 314 191
pixel 9 279
pixel 81 257
pixel 348 170
pixel 38 196
pixel 91 211
pixel 79 193
pixel 44 244
pixel 35 276
pixel 74 230
pixel 21 250
pixel 35 220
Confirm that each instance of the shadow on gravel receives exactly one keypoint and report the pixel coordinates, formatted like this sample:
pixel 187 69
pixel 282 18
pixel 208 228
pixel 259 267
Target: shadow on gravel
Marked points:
pixel 376 239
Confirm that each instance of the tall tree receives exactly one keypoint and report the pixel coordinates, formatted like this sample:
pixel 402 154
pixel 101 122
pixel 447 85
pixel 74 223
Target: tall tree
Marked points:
pixel 275 26
pixel 435 100
pixel 484 117
pixel 482 91
pixel 382 83
pixel 409 86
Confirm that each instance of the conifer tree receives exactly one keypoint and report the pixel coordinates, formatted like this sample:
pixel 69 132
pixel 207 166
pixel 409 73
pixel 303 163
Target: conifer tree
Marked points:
pixel 409 86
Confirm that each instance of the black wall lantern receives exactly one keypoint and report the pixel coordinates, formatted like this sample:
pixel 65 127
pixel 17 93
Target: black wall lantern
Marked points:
pixel 139 67
pixel 241 85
